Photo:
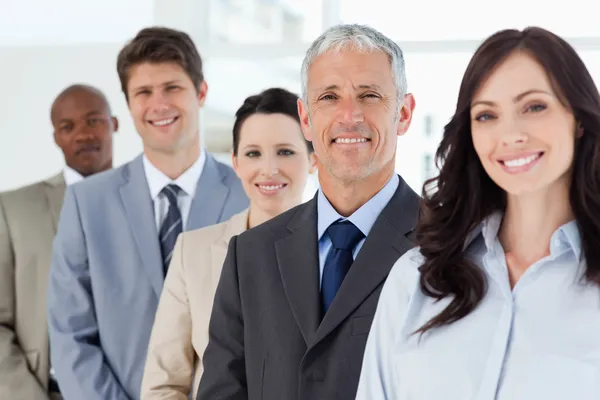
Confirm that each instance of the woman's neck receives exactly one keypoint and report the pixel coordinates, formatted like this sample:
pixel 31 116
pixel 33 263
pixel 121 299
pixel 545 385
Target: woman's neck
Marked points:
pixel 529 222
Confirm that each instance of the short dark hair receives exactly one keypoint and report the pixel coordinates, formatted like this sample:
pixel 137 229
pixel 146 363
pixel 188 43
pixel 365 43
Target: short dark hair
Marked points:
pixel 160 45
pixel 270 101
pixel 464 194
pixel 76 88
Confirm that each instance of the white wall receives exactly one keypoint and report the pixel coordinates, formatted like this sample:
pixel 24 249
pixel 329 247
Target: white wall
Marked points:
pixel 60 22
pixel 31 78
pixel 45 46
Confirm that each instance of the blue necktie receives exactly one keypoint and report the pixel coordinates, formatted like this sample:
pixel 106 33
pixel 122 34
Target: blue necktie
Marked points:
pixel 344 238
pixel 171 226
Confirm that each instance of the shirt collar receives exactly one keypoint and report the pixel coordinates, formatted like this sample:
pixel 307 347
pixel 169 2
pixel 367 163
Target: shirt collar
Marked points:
pixel 188 181
pixel 364 218
pixel 566 236
pixel 71 176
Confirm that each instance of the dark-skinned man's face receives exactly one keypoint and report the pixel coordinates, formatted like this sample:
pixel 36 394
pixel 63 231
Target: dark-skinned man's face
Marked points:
pixel 83 129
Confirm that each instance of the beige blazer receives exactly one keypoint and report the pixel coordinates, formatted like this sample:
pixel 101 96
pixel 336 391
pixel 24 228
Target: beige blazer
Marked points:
pixel 28 220
pixel 180 332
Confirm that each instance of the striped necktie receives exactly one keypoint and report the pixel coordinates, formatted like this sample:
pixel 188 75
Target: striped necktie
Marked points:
pixel 171 227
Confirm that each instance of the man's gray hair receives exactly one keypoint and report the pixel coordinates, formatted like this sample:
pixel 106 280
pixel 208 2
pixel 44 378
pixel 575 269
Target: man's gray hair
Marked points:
pixel 361 38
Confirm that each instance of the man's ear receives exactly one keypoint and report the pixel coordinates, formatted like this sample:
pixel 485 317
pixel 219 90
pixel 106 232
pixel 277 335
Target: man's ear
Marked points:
pixel 115 124
pixel 406 114
pixel 202 91
pixel 304 120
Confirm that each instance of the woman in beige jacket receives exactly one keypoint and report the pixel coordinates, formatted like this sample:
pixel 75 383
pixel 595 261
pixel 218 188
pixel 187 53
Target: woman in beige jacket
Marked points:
pixel 273 161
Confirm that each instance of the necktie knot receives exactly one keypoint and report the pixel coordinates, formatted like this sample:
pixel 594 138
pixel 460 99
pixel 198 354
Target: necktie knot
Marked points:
pixel 171 191
pixel 344 235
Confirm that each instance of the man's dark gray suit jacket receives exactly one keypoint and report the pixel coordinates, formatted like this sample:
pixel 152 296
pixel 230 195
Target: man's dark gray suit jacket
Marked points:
pixel 267 340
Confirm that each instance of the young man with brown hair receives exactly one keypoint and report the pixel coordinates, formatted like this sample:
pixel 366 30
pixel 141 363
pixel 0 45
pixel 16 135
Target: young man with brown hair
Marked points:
pixel 117 231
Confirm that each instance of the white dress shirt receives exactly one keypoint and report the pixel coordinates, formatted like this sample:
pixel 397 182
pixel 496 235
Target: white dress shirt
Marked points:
pixel 364 218
pixel 71 176
pixel 188 181
pixel 537 341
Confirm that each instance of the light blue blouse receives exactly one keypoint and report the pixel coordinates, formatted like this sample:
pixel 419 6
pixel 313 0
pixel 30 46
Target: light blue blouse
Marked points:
pixel 538 341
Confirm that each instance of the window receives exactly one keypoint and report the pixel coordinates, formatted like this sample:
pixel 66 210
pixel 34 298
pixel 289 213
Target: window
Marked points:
pixel 428 167
pixel 45 23
pixel 231 80
pixel 428 125
pixel 266 21
pixel 592 62
pixel 468 19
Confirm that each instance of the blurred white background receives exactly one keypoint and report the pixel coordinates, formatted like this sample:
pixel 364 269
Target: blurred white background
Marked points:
pixel 247 46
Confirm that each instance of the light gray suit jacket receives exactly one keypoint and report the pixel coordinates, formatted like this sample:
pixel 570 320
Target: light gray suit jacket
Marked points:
pixel 107 275
pixel 28 219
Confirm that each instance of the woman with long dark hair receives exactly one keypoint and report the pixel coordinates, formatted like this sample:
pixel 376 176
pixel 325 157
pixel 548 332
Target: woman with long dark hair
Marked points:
pixel 501 298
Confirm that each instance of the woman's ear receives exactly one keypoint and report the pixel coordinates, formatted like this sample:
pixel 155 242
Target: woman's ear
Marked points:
pixel 234 163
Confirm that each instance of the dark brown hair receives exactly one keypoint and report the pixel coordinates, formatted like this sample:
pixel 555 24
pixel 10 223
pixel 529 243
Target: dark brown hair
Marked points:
pixel 270 101
pixel 463 195
pixel 160 45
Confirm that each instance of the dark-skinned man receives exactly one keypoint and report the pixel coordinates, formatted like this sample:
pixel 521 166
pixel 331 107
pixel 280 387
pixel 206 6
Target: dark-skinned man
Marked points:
pixel 83 130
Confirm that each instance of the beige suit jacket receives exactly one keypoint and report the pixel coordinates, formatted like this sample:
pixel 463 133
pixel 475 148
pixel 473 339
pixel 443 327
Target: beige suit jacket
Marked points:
pixel 180 332
pixel 28 220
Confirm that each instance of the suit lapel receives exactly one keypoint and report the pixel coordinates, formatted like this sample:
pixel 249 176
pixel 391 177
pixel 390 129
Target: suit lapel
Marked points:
pixel 139 211
pixel 55 193
pixel 54 190
pixel 218 253
pixel 209 200
pixel 386 242
pixel 298 260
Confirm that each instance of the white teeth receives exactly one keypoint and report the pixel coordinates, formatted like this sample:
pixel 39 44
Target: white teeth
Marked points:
pixel 270 187
pixel 164 122
pixel 519 162
pixel 348 140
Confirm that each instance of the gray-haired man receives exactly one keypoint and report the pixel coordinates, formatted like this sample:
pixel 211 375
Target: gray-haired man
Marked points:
pixel 297 294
